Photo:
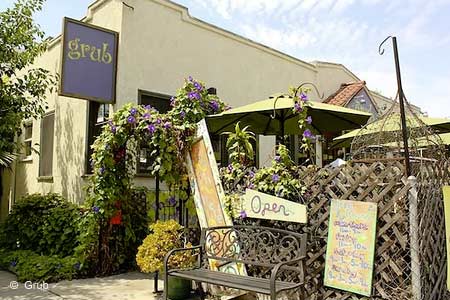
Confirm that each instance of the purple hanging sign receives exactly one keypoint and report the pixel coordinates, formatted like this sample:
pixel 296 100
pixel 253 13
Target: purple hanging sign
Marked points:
pixel 89 62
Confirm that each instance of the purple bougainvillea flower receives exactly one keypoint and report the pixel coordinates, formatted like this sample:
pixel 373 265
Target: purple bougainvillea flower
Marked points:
pixel 133 111
pixel 172 101
pixel 151 128
pixel 251 186
pixel 158 121
pixel 297 107
pixel 230 168
pixel 131 120
pixel 190 78
pixel 182 114
pixel 275 177
pixel 13 264
pixel 308 134
pixel 95 209
pixel 242 214
pixel 113 129
pixel 148 107
pixel 215 105
pixel 102 170
pixel 167 125
pixel 309 120
pixel 194 95
pixel 251 174
pixel 277 158
pixel 172 200
pixel 198 86
pixel 303 96
pixel 146 116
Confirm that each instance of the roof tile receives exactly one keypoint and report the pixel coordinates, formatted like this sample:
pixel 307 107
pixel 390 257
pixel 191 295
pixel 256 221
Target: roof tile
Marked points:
pixel 345 93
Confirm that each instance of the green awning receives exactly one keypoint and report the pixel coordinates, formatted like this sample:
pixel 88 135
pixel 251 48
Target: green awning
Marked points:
pixel 393 124
pixel 325 118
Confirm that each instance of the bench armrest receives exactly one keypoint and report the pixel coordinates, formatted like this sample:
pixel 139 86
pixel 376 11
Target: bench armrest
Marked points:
pixel 171 252
pixel 277 268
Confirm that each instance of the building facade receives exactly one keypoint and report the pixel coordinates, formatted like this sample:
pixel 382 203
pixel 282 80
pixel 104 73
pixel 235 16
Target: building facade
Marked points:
pixel 159 45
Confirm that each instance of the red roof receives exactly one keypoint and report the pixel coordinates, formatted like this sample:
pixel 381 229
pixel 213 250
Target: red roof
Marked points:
pixel 345 93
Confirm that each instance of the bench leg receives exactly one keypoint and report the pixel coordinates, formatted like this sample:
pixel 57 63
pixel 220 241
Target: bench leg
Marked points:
pixel 200 290
pixel 273 295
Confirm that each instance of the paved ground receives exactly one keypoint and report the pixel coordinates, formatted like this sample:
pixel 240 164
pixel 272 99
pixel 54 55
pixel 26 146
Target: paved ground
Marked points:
pixel 129 286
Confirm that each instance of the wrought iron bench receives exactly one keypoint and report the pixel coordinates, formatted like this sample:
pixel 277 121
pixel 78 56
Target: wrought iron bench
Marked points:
pixel 276 256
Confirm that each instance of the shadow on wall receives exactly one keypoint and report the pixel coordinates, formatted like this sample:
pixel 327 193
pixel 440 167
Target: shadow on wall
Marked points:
pixel 70 152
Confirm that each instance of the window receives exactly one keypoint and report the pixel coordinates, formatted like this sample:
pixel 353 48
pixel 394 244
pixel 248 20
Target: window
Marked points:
pixel 27 139
pixel 46 149
pixel 98 114
pixel 160 102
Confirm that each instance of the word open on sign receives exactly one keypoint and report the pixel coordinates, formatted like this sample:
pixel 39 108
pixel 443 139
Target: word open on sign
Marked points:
pixel 263 206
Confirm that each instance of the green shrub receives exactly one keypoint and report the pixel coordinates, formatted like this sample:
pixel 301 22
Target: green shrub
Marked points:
pixel 28 265
pixel 45 224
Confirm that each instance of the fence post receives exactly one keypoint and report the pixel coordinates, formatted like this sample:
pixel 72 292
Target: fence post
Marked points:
pixel 416 287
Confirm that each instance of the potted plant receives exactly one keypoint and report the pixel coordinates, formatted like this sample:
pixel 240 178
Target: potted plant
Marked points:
pixel 165 236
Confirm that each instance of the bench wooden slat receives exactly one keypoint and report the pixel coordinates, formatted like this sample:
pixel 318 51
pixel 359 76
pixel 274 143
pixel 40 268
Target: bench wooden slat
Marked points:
pixel 247 283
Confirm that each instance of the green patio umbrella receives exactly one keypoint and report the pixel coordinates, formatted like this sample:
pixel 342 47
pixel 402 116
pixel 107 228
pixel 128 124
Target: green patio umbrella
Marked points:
pixel 264 119
pixel 440 125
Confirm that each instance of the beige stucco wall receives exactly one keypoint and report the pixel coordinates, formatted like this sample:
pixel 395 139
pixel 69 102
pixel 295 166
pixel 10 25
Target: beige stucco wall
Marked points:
pixel 330 76
pixel 159 45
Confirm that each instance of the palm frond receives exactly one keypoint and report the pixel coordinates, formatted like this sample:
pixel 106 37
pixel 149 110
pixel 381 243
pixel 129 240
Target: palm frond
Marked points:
pixel 7 158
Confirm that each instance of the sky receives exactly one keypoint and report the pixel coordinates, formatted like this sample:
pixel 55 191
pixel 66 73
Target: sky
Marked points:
pixel 341 31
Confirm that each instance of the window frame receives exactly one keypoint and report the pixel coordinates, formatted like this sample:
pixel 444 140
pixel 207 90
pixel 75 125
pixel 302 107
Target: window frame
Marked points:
pixel 87 171
pixel 46 177
pixel 24 157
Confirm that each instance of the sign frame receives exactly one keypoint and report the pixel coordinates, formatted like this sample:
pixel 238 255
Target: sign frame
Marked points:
pixel 289 211
pixel 202 136
pixel 371 258
pixel 63 51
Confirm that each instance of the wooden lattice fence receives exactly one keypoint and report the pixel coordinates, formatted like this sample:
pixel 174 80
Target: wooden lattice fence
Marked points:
pixel 432 231
pixel 386 185
pixel 377 182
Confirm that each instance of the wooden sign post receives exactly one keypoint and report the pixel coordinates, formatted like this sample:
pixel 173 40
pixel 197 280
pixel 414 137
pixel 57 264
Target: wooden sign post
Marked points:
pixel 351 246
pixel 263 206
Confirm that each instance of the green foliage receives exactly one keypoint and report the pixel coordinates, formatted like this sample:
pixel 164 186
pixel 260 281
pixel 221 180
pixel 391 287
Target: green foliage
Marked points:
pixel 280 179
pixel 22 90
pixel 28 265
pixel 165 236
pixel 239 145
pixel 168 136
pixel 46 224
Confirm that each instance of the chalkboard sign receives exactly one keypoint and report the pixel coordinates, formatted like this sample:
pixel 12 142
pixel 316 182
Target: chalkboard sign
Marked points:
pixel 351 246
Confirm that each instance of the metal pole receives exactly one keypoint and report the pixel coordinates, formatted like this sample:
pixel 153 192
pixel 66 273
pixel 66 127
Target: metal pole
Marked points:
pixel 155 278
pixel 414 239
pixel 402 108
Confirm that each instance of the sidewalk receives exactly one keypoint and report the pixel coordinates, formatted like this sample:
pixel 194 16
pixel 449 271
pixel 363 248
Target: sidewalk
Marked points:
pixel 129 286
